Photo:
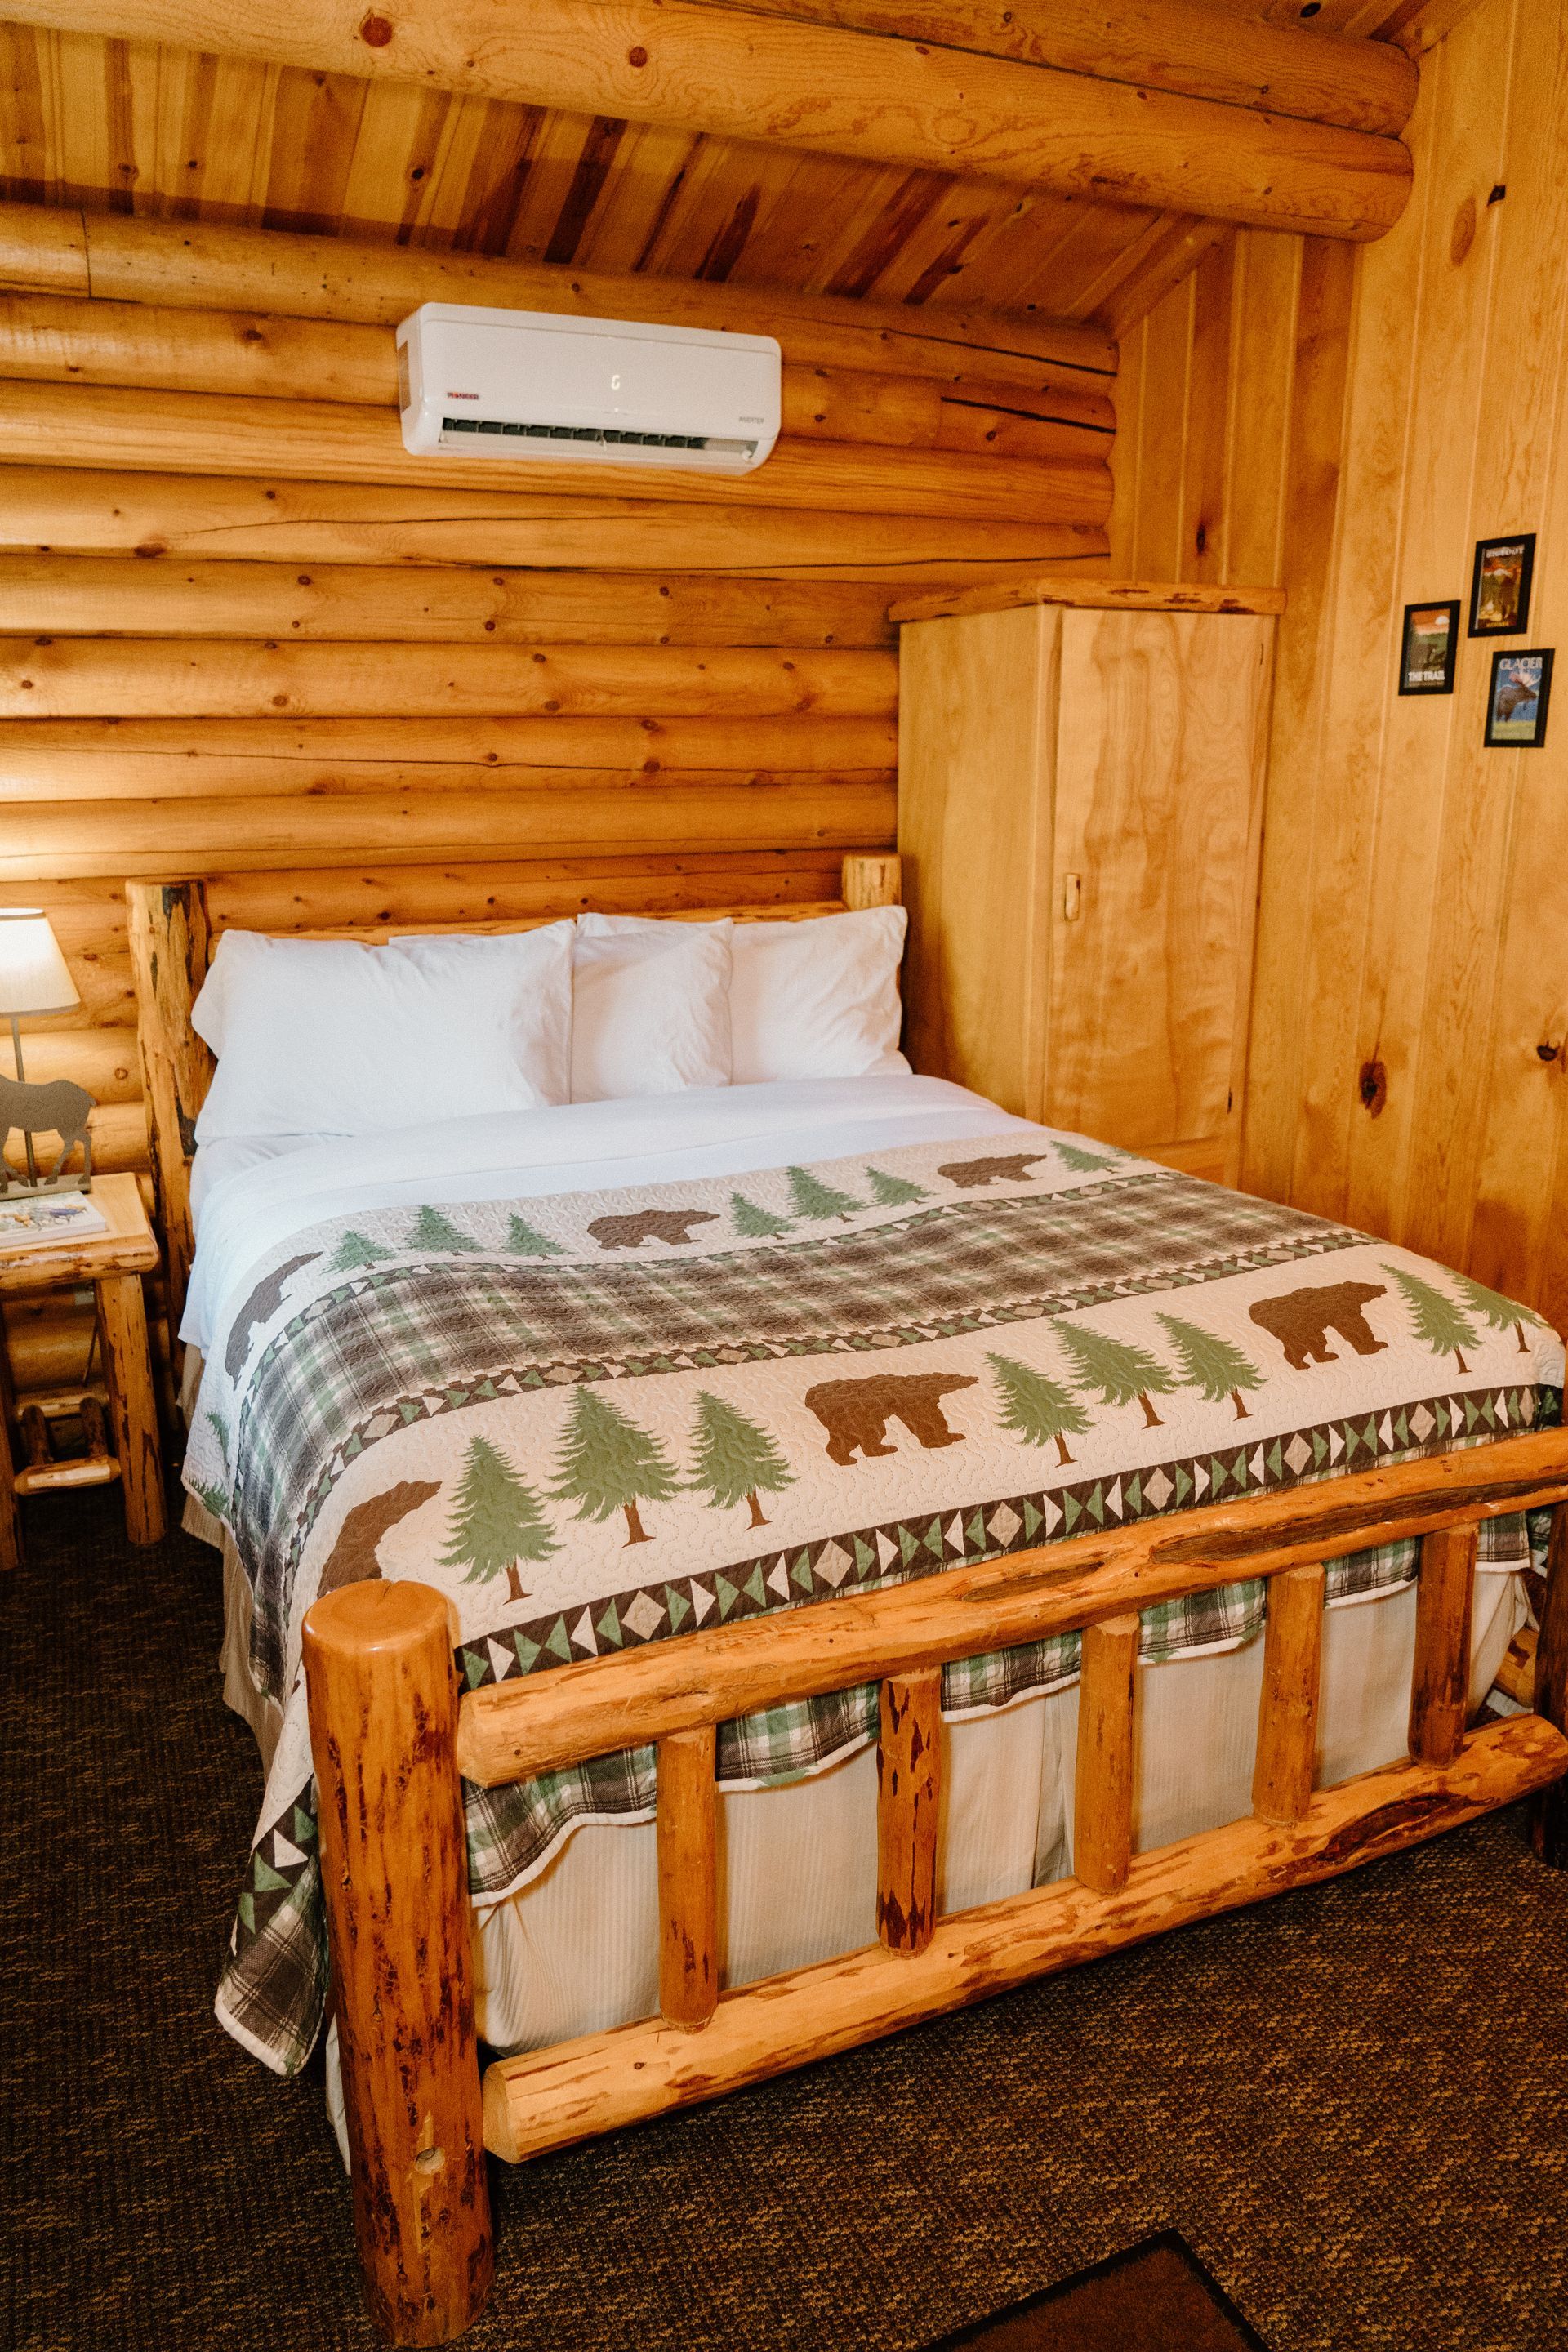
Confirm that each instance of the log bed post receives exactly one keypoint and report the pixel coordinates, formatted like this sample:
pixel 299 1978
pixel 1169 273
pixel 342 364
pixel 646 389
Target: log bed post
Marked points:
pixel 384 1720
pixel 871 881
pixel 169 937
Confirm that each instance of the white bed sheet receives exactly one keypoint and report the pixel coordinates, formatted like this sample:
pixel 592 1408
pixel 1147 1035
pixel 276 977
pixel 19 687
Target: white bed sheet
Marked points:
pixel 254 1204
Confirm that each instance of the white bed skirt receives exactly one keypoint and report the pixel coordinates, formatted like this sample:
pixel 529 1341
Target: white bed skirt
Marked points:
pixel 576 1950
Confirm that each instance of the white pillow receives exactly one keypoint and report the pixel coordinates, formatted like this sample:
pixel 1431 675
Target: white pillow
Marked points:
pixel 651 1007
pixel 333 1036
pixel 818 999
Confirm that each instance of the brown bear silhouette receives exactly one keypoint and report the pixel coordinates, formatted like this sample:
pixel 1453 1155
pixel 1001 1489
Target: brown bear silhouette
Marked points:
pixel 353 1559
pixel 1302 1320
pixel 990 1171
pixel 857 1413
pixel 649 1225
pixel 259 1307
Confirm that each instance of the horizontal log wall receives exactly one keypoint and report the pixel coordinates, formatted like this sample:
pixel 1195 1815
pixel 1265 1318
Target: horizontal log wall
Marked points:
pixel 244 635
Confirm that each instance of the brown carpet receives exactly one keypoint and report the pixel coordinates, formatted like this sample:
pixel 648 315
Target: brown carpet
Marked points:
pixel 1349 2102
pixel 1155 2296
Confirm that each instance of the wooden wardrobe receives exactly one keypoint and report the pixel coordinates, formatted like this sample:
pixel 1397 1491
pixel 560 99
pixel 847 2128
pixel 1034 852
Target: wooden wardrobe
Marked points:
pixel 1081 800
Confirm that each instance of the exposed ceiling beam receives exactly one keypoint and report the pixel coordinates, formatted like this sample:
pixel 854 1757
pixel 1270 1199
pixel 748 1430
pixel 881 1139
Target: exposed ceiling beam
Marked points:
pixel 881 99
pixel 127 257
pixel 1186 46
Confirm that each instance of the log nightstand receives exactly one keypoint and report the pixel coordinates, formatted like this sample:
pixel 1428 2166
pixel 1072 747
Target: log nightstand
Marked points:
pixel 114 1262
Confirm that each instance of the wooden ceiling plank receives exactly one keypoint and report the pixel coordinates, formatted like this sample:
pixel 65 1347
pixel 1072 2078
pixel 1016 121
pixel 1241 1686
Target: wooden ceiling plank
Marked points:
pixel 1182 46
pixel 652 158
pixel 235 164
pixel 817 87
pixel 203 265
pixel 315 127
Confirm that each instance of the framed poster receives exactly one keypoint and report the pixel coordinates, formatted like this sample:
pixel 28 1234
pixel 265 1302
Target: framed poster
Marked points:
pixel 1429 648
pixel 1500 586
pixel 1517 700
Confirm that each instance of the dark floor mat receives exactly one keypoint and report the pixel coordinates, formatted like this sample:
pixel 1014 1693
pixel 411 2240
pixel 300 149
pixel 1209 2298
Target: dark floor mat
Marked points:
pixel 1155 2296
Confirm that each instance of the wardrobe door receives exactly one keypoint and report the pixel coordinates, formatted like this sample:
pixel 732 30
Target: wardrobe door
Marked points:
pixel 1160 764
pixel 977 729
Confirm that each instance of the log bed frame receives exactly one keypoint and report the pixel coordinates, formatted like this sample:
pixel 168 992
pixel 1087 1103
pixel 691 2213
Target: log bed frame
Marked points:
pixel 392 1741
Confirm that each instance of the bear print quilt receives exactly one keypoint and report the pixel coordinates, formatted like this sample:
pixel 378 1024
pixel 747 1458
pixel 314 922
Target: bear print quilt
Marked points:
pixel 598 1419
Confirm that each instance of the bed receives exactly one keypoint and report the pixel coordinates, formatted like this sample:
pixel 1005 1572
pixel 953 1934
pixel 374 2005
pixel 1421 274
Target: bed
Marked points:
pixel 833 1485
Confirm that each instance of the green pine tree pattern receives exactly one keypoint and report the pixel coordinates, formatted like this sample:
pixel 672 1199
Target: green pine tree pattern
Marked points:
pixel 1502 1313
pixel 736 1461
pixel 1440 1324
pixel 1074 1156
pixel 607 1465
pixel 814 1200
pixel 354 1250
pixel 497 1521
pixel 433 1231
pixel 522 1241
pixel 893 1191
pixel 219 1428
pixel 1115 1369
pixel 758 1224
pixel 1217 1368
pixel 1036 1409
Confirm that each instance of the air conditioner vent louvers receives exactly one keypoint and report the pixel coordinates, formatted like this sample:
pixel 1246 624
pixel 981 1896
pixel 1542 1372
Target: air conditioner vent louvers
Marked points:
pixel 607 432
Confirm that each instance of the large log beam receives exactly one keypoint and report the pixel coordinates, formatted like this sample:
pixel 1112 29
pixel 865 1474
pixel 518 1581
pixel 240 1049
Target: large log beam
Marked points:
pixel 1183 45
pixel 68 759
pixel 62 339
pixel 272 517
pixel 111 596
pixel 91 425
pixel 550 2097
pixel 206 265
pixel 165 677
pixel 576 811
pixel 880 99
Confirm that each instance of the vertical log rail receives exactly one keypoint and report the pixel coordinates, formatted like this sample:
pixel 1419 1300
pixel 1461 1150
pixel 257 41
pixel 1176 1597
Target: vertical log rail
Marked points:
pixel 1287 1707
pixel 1548 1818
pixel 1103 1795
pixel 169 940
pixel 688 1879
pixel 1439 1693
pixel 384 1717
pixel 908 1805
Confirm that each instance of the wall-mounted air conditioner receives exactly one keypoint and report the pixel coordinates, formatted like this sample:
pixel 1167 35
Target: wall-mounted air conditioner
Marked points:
pixel 525 383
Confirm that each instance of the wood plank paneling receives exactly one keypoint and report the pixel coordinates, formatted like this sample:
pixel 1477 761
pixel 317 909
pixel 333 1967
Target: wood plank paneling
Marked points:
pixel 1383 411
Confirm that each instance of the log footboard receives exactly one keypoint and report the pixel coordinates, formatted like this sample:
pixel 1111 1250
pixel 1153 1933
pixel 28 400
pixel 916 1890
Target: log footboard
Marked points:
pixel 390 1739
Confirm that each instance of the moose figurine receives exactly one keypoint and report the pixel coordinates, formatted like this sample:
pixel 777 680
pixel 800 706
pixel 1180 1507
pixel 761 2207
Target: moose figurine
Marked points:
pixel 57 1106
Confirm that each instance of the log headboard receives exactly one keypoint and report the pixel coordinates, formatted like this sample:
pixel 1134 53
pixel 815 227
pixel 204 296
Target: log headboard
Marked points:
pixel 173 927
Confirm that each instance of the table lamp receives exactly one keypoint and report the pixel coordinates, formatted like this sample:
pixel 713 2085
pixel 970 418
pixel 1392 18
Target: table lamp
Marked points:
pixel 35 979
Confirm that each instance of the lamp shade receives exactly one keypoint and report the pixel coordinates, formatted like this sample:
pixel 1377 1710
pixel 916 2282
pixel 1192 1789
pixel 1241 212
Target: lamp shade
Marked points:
pixel 34 975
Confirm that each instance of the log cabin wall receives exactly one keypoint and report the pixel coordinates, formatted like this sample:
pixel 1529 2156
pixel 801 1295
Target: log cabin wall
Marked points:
pixel 1348 424
pixel 247 637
